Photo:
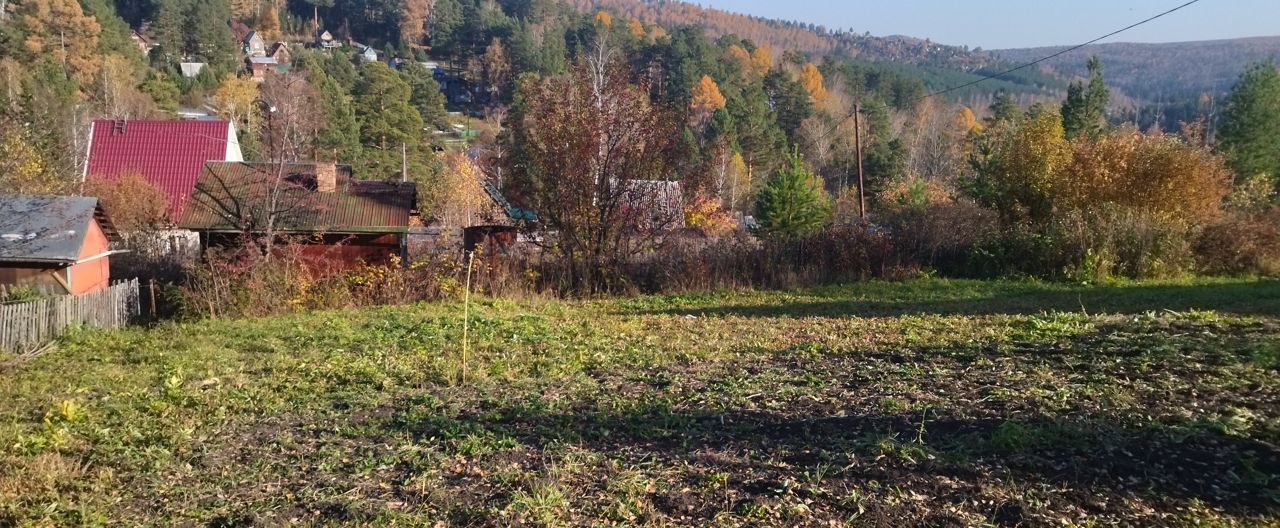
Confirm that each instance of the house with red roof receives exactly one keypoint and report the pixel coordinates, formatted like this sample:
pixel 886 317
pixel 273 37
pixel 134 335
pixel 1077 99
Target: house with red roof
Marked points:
pixel 168 154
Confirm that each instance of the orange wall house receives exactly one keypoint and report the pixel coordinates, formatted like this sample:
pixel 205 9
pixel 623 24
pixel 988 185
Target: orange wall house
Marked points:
pixel 60 244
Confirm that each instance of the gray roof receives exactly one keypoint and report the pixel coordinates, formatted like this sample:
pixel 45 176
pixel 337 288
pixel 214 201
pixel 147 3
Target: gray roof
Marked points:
pixel 46 228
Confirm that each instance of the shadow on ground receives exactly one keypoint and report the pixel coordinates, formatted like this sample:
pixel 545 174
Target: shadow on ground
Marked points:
pixel 1162 463
pixel 1261 298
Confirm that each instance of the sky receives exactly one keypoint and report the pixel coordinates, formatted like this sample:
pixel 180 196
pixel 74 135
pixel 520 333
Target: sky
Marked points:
pixel 996 24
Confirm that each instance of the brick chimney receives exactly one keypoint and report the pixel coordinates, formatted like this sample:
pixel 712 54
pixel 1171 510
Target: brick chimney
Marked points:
pixel 327 176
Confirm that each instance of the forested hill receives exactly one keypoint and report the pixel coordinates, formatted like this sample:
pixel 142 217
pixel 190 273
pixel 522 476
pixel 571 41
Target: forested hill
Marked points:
pixel 1161 72
pixel 938 66
pixel 780 34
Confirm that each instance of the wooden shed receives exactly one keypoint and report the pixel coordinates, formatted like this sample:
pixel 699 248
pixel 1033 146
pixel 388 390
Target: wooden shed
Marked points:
pixel 59 243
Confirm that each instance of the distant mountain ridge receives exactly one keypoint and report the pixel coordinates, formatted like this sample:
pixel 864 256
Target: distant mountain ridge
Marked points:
pixel 938 65
pixel 1142 74
pixel 1151 73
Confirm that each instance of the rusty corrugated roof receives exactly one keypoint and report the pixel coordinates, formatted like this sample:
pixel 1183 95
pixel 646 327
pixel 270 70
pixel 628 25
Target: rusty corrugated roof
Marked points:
pixel 236 197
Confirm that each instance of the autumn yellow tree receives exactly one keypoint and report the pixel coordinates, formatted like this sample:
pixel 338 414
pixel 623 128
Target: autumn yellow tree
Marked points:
pixel 762 59
pixel 269 21
pixel 740 58
pixel 116 91
pixel 604 19
pixel 235 100
pixel 413 20
pixel 705 101
pixel 60 30
pixel 811 78
pixel 461 199
pixel 635 27
pixel 1017 176
pixel 23 169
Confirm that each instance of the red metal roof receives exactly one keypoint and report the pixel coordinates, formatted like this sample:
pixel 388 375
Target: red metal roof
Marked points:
pixel 235 197
pixel 169 154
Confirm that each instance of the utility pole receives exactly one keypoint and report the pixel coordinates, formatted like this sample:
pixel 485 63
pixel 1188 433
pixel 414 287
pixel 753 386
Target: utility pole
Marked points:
pixel 404 163
pixel 857 141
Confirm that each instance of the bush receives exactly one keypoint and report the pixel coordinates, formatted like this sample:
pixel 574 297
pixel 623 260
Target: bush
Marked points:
pixel 1245 243
pixel 241 282
pixel 1106 243
pixel 834 254
pixel 931 225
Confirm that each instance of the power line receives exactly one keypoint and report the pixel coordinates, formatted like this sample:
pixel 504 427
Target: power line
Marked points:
pixel 1056 55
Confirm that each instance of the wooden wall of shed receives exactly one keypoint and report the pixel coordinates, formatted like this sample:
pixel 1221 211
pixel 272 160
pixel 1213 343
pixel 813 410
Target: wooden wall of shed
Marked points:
pixel 96 274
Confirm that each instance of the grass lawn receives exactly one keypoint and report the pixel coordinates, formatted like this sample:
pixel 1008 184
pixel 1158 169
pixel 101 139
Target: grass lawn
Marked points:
pixel 929 402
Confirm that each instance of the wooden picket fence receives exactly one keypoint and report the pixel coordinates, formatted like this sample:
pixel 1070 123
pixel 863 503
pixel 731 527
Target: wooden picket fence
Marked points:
pixel 31 324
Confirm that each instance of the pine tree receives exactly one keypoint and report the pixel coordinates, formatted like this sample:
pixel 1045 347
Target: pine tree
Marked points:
pixel 1084 113
pixel 426 95
pixel 1003 110
pixel 208 36
pixel 1250 133
pixel 115 35
pixel 790 101
pixel 388 123
pixel 792 203
pixel 339 139
pixel 168 28
pixel 163 91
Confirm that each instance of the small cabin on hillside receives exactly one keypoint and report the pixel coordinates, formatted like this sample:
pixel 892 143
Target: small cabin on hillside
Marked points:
pixel 254 45
pixel 280 52
pixel 341 222
pixel 325 40
pixel 59 243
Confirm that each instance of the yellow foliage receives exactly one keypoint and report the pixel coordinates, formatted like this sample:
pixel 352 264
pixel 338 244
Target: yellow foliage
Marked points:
pixel 966 122
pixel 60 30
pixel 1157 173
pixel 812 80
pixel 737 189
pixel 23 169
pixel 706 214
pixel 1031 160
pixel 635 27
pixel 269 22
pixel 740 58
pixel 604 19
pixel 462 200
pixel 762 59
pixel 706 99
pixel 235 99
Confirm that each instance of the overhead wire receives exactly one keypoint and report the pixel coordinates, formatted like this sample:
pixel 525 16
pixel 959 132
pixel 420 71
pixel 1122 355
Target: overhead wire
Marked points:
pixel 1055 55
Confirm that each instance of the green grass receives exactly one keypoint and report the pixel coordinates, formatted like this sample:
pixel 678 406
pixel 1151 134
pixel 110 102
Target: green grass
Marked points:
pixel 926 402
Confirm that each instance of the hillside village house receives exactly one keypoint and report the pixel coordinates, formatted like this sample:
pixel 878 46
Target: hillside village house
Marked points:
pixel 143 43
pixel 342 222
pixel 167 154
pixel 254 46
pixel 58 243
pixel 259 66
pixel 326 41
pixel 280 52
